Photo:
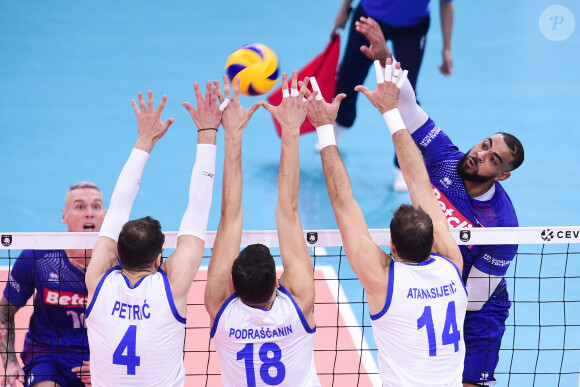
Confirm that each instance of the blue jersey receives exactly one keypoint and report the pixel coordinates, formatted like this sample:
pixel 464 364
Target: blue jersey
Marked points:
pixel 397 13
pixel 441 158
pixel 57 323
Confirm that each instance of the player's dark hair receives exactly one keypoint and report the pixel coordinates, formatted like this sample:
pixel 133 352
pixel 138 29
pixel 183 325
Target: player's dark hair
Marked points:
pixel 254 274
pixel 412 233
pixel 140 241
pixel 516 148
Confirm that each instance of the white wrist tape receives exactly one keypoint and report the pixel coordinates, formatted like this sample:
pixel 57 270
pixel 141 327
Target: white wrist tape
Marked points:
pixel 326 135
pixel 194 221
pixel 394 120
pixel 124 195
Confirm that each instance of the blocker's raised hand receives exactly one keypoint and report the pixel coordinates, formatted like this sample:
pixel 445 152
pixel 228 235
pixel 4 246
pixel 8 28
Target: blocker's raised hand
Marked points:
pixel 385 97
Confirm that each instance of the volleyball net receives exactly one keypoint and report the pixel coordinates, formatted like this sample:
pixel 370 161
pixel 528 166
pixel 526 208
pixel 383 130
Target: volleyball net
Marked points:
pixel 540 346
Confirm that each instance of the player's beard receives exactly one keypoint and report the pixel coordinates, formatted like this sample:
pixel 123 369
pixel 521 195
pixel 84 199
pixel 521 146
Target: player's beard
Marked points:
pixel 472 177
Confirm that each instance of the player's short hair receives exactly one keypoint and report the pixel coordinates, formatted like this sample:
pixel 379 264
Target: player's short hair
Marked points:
pixel 412 233
pixel 516 148
pixel 84 184
pixel 140 241
pixel 254 274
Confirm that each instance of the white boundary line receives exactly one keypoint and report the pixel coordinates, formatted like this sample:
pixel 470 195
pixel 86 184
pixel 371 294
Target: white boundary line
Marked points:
pixel 353 324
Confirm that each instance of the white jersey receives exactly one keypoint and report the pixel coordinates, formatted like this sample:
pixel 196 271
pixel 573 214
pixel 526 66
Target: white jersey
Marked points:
pixel 135 334
pixel 419 332
pixel 260 347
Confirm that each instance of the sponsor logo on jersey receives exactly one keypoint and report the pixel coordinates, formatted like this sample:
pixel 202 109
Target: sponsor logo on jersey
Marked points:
pixel 14 283
pixel 66 299
pixel 446 182
pixel 53 277
pixel 454 217
pixel 430 136
pixel 312 237
pixel 6 240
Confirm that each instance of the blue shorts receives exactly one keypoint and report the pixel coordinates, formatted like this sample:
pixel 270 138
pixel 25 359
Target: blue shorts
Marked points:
pixel 483 330
pixel 54 367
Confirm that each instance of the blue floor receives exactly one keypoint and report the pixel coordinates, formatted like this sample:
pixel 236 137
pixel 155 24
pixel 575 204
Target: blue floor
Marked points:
pixel 69 70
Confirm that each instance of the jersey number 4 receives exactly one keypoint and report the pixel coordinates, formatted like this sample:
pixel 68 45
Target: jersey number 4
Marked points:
pixel 268 362
pixel 128 345
pixel 450 335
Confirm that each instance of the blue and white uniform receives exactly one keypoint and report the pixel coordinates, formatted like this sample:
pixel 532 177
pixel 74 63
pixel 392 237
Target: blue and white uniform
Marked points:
pixel 260 347
pixel 419 331
pixel 136 333
pixel 484 328
pixel 56 340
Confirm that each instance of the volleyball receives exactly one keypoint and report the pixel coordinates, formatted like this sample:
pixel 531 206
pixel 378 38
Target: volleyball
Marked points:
pixel 256 65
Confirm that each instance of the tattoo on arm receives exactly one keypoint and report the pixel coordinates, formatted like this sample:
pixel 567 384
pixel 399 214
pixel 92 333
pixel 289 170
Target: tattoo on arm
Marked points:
pixel 7 351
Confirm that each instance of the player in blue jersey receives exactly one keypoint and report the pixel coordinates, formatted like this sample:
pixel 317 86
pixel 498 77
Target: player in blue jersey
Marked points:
pixel 468 188
pixel 136 312
pixel 56 341
pixel 263 329
pixel 415 296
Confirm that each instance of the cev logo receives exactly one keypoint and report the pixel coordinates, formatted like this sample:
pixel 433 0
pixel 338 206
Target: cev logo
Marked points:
pixel 557 23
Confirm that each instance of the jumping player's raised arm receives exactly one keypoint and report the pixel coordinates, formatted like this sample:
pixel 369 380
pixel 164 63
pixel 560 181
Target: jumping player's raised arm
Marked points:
pixel 413 115
pixel 151 129
pixel 385 98
pixel 227 242
pixel 298 276
pixel 182 265
pixel 368 261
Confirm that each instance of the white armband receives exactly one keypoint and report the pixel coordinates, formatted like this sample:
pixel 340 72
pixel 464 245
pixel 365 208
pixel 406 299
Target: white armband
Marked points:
pixel 480 286
pixel 194 221
pixel 124 195
pixel 394 120
pixel 326 135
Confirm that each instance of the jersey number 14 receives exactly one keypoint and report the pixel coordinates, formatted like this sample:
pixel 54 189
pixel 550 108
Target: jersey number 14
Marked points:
pixel 450 335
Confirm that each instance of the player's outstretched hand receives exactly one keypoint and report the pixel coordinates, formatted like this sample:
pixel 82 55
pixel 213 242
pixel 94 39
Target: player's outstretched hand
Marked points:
pixel 208 114
pixel 12 373
pixel 234 118
pixel 377 49
pixel 149 123
pixel 291 112
pixel 83 373
pixel 386 96
pixel 321 112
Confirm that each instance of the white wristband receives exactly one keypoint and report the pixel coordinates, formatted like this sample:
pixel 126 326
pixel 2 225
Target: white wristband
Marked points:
pixel 124 195
pixel 394 120
pixel 326 135
pixel 194 221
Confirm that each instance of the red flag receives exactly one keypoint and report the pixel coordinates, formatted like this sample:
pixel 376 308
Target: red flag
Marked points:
pixel 323 67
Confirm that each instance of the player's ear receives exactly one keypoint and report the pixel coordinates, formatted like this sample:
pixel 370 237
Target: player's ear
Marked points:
pixel 393 250
pixel 64 216
pixel 158 260
pixel 502 176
